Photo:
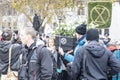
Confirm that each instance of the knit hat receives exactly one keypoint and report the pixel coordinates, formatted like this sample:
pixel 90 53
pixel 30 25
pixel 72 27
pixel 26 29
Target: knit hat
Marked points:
pixel 92 34
pixel 81 29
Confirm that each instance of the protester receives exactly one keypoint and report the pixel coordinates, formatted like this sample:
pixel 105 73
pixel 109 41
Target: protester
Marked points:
pixel 5 45
pixel 117 55
pixel 40 65
pixel 16 37
pixel 107 39
pixel 112 47
pixel 80 34
pixel 92 60
pixel 57 61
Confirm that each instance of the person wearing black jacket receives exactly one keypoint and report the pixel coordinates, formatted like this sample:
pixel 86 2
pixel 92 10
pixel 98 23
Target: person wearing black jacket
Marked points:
pixel 5 44
pixel 92 60
pixel 39 61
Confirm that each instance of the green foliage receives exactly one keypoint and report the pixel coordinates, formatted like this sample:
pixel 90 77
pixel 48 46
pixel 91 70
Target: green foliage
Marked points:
pixel 99 13
pixel 65 30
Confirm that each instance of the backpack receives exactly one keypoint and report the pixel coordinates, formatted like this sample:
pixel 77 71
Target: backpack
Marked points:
pixel 23 68
pixel 55 74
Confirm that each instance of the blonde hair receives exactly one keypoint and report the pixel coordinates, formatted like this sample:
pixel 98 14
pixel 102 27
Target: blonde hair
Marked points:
pixel 52 39
pixel 30 31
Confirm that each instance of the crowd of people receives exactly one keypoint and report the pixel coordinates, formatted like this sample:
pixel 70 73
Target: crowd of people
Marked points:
pixel 33 56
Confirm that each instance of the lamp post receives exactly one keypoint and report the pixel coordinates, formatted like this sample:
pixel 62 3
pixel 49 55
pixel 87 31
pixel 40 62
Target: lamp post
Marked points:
pixel 59 19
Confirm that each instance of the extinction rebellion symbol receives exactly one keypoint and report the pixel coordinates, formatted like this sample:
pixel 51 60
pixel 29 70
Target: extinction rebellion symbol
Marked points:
pixel 63 41
pixel 102 15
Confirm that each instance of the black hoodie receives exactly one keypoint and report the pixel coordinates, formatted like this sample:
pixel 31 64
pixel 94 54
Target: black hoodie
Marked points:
pixel 4 55
pixel 4 49
pixel 98 58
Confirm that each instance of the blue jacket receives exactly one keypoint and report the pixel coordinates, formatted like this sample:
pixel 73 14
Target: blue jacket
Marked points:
pixel 81 42
pixel 117 55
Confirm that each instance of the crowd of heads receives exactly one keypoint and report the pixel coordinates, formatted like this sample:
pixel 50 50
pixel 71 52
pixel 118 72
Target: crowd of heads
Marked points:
pixel 30 33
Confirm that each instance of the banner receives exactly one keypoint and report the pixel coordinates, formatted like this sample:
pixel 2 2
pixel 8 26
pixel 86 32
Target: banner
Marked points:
pixel 99 14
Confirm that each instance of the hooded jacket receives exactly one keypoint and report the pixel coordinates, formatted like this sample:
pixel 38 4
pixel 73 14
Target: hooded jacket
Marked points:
pixel 98 58
pixel 4 56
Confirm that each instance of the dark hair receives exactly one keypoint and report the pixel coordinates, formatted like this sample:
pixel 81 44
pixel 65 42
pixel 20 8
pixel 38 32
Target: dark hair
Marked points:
pixel 81 29
pixel 92 34
pixel 16 31
pixel 30 31
pixel 7 34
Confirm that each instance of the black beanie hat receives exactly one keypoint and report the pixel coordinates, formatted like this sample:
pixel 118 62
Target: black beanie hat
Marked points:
pixel 92 34
pixel 81 29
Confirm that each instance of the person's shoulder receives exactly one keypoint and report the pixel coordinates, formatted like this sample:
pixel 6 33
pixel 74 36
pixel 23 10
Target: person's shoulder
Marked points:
pixel 117 52
pixel 81 49
pixel 17 46
pixel 82 42
pixel 108 52
pixel 42 48
pixel 43 51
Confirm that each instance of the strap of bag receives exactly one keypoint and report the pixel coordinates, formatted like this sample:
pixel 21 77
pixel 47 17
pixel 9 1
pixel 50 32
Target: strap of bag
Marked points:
pixel 10 51
pixel 30 55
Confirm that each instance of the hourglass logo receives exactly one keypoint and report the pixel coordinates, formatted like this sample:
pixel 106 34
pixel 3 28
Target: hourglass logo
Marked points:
pixel 63 41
